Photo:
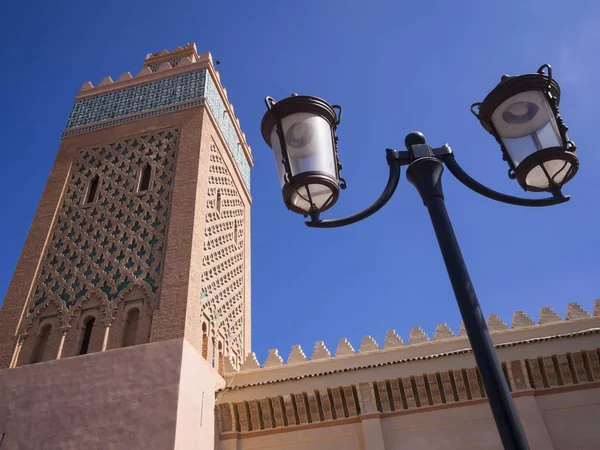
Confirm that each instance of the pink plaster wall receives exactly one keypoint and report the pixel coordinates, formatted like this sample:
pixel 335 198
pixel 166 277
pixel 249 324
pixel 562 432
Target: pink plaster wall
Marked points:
pixel 195 412
pixel 572 419
pixel 118 399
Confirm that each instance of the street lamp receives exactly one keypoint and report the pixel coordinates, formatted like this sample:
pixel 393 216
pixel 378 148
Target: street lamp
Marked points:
pixel 301 131
pixel 521 113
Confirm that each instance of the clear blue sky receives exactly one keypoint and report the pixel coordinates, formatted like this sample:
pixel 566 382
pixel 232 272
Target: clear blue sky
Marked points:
pixel 394 67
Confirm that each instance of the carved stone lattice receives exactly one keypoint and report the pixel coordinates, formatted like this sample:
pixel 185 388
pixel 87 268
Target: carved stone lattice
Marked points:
pixel 105 245
pixel 223 263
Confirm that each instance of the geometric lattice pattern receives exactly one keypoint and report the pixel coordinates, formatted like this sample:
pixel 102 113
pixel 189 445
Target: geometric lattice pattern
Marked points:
pixel 120 237
pixel 173 61
pixel 223 262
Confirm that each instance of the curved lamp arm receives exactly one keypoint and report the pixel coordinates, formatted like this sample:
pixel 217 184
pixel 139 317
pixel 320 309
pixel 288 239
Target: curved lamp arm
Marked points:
pixel 465 179
pixel 387 193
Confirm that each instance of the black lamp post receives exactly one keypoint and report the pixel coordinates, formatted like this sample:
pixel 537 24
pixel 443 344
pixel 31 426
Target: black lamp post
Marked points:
pixel 521 113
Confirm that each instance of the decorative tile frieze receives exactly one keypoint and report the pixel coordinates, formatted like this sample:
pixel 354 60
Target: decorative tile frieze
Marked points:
pixel 137 99
pixel 133 117
pixel 225 124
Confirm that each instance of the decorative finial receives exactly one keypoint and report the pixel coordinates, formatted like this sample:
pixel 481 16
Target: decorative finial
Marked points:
pixel 414 138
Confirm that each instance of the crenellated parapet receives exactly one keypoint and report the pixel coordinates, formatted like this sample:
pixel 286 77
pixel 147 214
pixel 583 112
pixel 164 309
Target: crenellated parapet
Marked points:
pixel 552 357
pixel 501 332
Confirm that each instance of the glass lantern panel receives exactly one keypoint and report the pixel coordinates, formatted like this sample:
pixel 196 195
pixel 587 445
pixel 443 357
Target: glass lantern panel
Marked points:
pixel 555 169
pixel 276 146
pixel 309 142
pixel 526 124
pixel 300 200
pixel 319 194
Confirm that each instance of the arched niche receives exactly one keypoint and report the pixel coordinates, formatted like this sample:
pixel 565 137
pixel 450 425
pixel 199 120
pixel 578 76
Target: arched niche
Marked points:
pixel 127 327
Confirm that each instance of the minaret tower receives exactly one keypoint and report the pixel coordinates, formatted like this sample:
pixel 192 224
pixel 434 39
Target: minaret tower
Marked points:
pixel 139 252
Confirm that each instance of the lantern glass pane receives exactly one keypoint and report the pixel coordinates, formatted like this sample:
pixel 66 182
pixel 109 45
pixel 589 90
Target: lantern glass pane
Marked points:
pixel 526 124
pixel 309 143
pixel 318 194
pixel 276 146
pixel 300 200
pixel 554 169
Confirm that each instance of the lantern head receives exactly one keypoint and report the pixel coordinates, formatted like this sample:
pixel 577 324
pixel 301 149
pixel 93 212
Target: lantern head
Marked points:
pixel 301 132
pixel 522 114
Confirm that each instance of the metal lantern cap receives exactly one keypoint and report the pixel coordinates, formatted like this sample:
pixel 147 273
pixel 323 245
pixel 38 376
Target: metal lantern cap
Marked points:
pixel 511 86
pixel 301 132
pixel 291 105
pixel 521 112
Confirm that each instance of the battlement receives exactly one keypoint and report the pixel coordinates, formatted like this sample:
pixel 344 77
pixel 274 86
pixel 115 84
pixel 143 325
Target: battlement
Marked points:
pixel 522 328
pixel 156 66
pixel 173 58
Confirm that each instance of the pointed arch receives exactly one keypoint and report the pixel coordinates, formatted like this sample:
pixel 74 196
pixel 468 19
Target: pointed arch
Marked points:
pixel 132 319
pixel 89 306
pixel 126 326
pixel 41 342
pixel 39 332
pixel 139 289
